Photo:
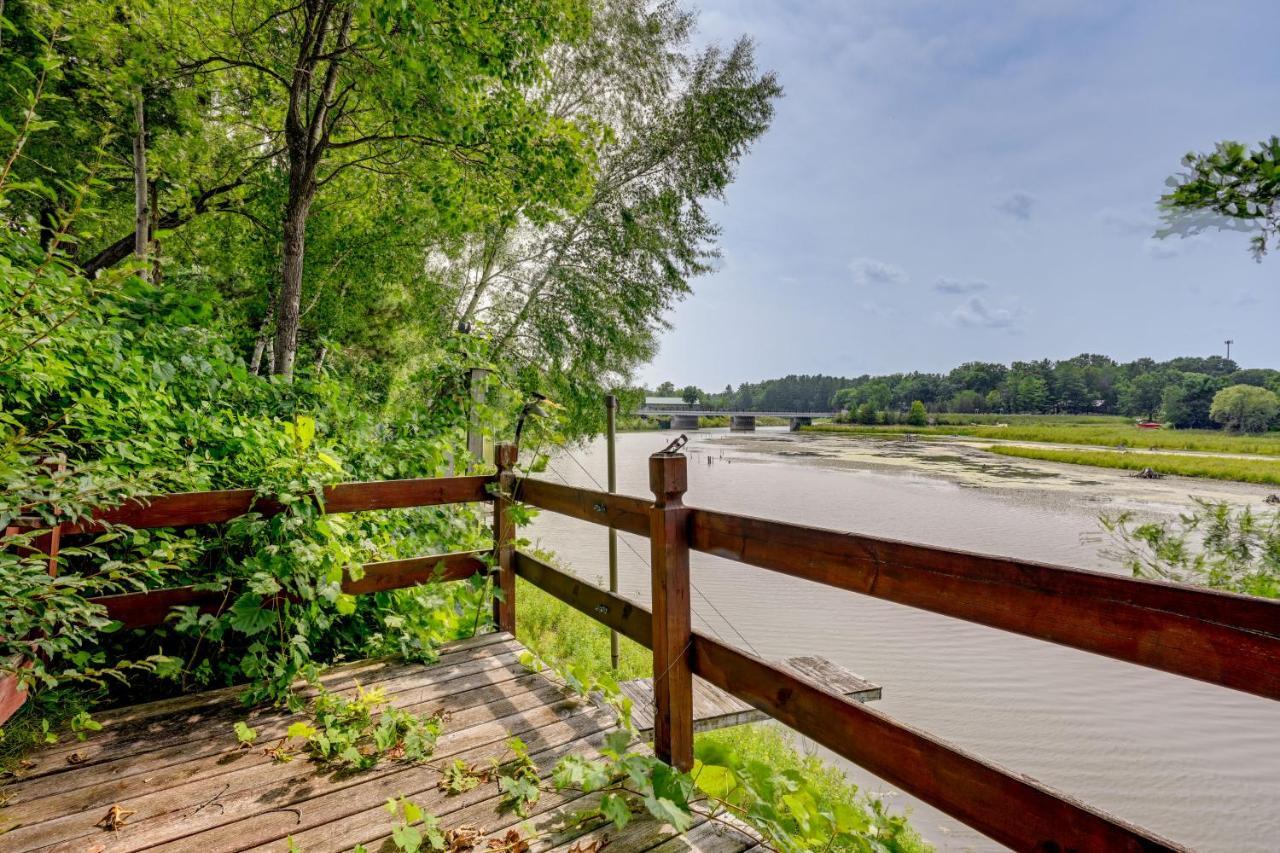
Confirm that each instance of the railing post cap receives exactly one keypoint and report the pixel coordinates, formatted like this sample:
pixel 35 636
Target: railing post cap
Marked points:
pixel 668 475
pixel 506 454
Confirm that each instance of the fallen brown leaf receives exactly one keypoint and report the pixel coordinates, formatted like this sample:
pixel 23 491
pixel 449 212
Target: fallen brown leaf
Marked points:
pixel 76 758
pixel 462 837
pixel 512 842
pixel 595 845
pixel 116 817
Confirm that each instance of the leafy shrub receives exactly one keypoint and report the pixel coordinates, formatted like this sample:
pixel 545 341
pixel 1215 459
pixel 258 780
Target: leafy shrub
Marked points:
pixel 1215 545
pixel 1245 408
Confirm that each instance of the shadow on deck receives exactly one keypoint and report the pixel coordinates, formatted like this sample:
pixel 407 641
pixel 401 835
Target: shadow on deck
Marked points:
pixel 177 766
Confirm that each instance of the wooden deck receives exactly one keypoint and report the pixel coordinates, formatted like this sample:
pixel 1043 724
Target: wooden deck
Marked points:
pixel 176 766
pixel 714 709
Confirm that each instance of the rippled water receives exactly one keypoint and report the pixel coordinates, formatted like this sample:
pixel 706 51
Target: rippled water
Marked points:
pixel 1196 763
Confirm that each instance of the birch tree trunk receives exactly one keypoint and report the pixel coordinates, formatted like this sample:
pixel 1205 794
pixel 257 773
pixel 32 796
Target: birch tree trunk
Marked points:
pixel 141 190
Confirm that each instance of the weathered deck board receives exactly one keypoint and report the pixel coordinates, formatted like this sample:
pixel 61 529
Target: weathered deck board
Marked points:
pixel 177 765
pixel 714 709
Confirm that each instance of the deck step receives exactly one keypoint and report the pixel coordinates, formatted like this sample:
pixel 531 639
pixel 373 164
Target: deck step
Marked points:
pixel 714 709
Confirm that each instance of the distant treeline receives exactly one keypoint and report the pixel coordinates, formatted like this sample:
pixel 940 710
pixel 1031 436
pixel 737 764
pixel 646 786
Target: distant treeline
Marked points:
pixel 1180 390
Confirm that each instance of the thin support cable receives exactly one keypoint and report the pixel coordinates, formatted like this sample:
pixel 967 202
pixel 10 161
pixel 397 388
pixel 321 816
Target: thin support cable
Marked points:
pixel 704 596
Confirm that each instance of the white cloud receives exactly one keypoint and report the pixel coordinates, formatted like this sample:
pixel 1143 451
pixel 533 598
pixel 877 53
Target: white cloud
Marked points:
pixel 1018 205
pixel 976 313
pixel 869 271
pixel 956 287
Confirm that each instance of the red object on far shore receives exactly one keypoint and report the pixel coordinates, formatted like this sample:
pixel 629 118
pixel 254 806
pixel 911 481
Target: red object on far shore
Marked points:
pixel 1148 425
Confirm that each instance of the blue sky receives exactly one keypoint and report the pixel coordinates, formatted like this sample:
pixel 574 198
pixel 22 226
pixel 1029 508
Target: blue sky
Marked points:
pixel 950 181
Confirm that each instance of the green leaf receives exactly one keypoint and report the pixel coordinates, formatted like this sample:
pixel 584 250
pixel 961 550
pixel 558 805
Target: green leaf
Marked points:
pixel 715 781
pixel 614 807
pixel 248 615
pixel 302 730
pixel 345 604
pixel 244 734
pixel 669 813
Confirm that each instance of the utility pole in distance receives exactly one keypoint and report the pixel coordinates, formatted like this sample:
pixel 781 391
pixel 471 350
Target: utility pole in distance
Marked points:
pixel 1228 342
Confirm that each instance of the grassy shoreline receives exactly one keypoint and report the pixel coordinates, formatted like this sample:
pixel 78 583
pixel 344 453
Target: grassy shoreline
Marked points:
pixel 1096 434
pixel 1260 471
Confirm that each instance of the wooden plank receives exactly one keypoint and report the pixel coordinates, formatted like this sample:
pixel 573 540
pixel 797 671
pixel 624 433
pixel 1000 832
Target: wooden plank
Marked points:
pixel 1007 806
pixel 715 709
pixel 277 801
pixel 710 837
pixel 151 608
pixel 621 512
pixel 1221 638
pixel 478 807
pixel 128 741
pixel 1013 809
pixel 215 752
pixel 168 809
pixel 192 508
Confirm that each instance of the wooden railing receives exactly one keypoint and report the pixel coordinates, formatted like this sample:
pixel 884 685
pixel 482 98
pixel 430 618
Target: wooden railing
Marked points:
pixel 1223 639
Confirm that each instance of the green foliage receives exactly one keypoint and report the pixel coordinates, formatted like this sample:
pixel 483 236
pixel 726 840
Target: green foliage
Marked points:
pixel 518 779
pixel 1232 186
pixel 1187 400
pixel 1215 545
pixel 356 733
pixel 417 829
pixel 1245 408
pixel 737 770
pixel 798 798
pixel 917 416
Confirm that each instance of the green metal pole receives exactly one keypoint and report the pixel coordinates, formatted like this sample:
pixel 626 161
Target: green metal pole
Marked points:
pixel 611 411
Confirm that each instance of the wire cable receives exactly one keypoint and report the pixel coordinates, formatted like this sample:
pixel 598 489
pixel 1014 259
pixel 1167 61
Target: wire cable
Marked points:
pixel 704 596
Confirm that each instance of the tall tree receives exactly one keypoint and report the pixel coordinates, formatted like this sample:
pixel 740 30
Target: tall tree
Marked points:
pixel 585 295
pixel 443 96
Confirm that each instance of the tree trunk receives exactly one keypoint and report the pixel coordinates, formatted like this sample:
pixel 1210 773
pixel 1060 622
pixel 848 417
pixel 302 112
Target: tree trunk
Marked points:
pixel 289 300
pixel 141 191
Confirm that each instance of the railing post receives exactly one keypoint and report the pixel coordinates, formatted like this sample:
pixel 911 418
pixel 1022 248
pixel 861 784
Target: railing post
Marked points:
pixel 611 442
pixel 504 537
pixel 672 627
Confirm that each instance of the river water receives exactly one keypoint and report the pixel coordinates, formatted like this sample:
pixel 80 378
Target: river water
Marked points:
pixel 1196 763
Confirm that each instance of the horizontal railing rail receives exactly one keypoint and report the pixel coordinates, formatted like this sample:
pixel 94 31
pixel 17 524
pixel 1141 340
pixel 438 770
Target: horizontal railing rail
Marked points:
pixel 188 509
pixel 1006 806
pixel 152 607
pixel 1219 637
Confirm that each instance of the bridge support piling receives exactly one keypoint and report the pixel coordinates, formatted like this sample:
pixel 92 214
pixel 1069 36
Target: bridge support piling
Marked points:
pixel 742 423
pixel 686 422
pixel 796 423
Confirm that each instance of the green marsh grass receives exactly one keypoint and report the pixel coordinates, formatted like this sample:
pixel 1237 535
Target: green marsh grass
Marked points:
pixel 1263 471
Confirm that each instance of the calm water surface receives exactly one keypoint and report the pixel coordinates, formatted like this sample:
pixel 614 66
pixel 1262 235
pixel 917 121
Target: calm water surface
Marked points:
pixel 1196 763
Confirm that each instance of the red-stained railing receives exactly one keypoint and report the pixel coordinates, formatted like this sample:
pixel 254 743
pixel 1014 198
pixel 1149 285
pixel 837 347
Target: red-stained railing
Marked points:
pixel 1228 640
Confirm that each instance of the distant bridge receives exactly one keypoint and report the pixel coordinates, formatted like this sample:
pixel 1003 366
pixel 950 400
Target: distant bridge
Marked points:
pixel 674 417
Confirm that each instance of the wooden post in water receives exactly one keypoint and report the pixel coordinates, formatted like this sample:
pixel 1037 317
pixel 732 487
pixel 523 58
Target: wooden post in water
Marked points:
pixel 504 537
pixel 672 625
pixel 611 439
